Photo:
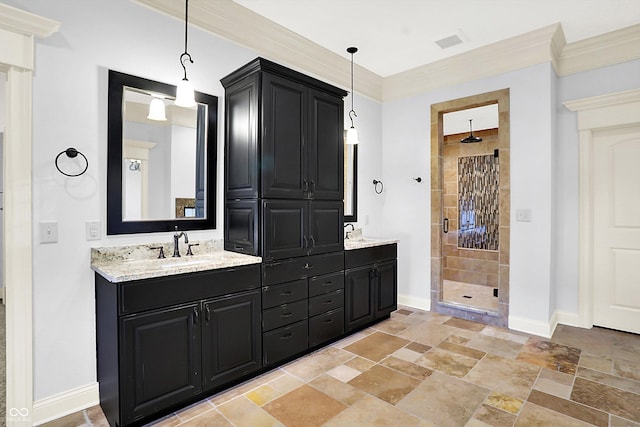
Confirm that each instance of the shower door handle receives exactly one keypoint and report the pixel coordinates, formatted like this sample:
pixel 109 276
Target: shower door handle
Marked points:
pixel 445 225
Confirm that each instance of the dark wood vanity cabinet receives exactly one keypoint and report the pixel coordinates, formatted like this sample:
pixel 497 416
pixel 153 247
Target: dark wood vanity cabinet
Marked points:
pixel 303 300
pixel 371 285
pixel 166 341
pixel 283 141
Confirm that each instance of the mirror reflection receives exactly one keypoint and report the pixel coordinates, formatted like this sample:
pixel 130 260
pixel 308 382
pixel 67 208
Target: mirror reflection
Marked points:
pixel 350 183
pixel 161 158
pixel 160 149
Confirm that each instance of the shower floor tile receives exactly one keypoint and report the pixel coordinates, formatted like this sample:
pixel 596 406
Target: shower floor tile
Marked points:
pixel 469 295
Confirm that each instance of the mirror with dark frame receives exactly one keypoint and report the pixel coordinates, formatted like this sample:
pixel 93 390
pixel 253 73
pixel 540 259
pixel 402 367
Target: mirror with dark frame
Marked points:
pixel 350 183
pixel 161 162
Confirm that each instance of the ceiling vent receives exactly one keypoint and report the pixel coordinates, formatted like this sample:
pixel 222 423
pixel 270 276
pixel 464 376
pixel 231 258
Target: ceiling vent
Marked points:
pixel 449 41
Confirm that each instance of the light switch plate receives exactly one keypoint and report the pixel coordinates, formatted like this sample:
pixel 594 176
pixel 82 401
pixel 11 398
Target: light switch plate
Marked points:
pixel 523 215
pixel 92 230
pixel 48 232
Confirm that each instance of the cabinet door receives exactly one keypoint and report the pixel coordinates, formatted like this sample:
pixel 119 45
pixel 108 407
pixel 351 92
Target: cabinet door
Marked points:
pixel 325 227
pixel 284 122
pixel 325 149
pixel 160 353
pixel 284 229
pixel 231 338
pixel 241 148
pixel 359 295
pixel 241 226
pixel 386 288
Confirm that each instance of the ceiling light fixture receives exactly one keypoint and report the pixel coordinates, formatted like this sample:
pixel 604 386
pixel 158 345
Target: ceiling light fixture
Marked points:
pixel 184 92
pixel 352 133
pixel 157 110
pixel 471 138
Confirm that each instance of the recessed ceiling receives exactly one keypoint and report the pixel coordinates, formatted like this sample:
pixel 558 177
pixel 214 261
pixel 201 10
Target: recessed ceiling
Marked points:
pixel 397 35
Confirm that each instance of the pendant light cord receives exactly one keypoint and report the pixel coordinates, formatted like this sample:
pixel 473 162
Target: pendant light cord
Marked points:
pixel 352 50
pixel 185 55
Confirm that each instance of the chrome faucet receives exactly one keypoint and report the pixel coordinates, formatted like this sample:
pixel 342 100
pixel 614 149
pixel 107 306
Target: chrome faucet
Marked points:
pixel 176 237
pixel 349 232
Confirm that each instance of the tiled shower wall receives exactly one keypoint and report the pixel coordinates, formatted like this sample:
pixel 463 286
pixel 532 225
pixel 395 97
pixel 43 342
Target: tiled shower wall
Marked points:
pixel 469 264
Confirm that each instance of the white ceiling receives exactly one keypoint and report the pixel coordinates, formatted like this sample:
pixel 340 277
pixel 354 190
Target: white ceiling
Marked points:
pixel 397 35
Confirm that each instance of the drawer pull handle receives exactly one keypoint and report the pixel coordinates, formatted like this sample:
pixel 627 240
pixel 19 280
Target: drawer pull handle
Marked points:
pixel 307 266
pixel 196 316
pixel 327 284
pixel 238 248
pixel 286 337
pixel 328 321
pixel 286 315
pixel 285 293
pixel 329 301
pixel 207 313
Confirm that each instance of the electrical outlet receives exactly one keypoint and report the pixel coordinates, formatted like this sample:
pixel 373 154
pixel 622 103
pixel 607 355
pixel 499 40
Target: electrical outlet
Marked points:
pixel 92 230
pixel 48 232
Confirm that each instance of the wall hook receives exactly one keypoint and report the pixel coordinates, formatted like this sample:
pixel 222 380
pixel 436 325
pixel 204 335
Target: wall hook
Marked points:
pixel 375 186
pixel 72 153
pixel 418 179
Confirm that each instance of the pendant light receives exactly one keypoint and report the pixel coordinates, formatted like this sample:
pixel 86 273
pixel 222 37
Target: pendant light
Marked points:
pixel 471 138
pixel 184 92
pixel 157 111
pixel 352 133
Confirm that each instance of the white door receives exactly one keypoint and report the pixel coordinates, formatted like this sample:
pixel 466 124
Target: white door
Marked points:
pixel 616 222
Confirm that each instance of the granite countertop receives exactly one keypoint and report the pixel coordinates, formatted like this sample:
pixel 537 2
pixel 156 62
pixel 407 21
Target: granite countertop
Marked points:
pixel 366 242
pixel 126 263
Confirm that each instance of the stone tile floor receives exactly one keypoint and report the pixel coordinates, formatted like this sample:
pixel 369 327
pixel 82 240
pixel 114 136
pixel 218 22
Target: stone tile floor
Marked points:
pixel 425 369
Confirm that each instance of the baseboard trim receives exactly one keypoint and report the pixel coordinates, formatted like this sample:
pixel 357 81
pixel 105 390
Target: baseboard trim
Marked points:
pixel 570 319
pixel 68 402
pixel 415 302
pixel 535 327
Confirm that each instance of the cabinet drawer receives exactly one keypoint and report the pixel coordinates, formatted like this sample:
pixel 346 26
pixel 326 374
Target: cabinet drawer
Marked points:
pixel 326 327
pixel 300 268
pixel 285 293
pixel 141 295
pixel 321 303
pixel 371 255
pixel 285 342
pixel 283 315
pixel 326 283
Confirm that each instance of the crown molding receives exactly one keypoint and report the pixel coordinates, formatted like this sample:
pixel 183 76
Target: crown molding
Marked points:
pixel 596 52
pixel 507 55
pixel 230 20
pixel 26 23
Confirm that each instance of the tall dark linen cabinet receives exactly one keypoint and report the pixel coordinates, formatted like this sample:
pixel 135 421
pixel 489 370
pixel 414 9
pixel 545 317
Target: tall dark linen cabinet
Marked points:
pixel 284 171
pixel 284 163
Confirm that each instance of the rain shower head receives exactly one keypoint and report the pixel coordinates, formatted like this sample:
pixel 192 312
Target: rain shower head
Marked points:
pixel 471 138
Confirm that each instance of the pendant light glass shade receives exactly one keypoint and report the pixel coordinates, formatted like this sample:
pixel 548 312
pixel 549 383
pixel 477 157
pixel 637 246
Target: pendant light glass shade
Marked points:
pixel 184 94
pixel 157 111
pixel 352 134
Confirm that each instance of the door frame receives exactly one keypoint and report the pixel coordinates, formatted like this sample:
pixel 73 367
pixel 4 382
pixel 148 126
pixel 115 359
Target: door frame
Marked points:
pixel 500 97
pixel 594 113
pixel 18 30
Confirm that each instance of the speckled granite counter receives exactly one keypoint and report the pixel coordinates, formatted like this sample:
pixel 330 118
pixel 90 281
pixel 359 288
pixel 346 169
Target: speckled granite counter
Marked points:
pixel 125 263
pixel 366 242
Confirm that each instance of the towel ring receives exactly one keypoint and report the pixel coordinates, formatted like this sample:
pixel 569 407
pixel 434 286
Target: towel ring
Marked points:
pixel 375 186
pixel 72 153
